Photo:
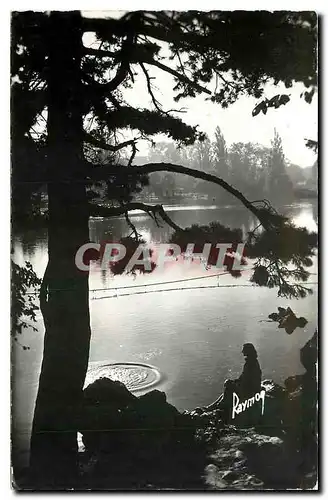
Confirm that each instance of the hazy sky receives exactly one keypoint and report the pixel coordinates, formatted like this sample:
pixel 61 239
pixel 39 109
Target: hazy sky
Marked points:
pixel 294 121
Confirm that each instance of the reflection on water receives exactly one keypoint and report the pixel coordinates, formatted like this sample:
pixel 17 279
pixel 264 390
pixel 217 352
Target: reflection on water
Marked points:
pixel 193 336
pixel 236 217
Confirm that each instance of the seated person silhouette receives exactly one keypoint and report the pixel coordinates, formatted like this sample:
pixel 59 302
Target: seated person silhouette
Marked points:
pixel 245 386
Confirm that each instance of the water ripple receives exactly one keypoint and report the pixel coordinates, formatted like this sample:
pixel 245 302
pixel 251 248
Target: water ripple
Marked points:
pixel 136 376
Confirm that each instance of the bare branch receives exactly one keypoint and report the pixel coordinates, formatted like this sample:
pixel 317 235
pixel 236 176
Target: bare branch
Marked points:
pixel 160 210
pixel 223 79
pixel 178 75
pixel 98 143
pixel 156 103
pixel 132 226
pixel 134 152
pixel 153 98
pixel 151 210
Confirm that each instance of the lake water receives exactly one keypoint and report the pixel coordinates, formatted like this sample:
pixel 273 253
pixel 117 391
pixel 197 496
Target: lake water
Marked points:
pixel 185 342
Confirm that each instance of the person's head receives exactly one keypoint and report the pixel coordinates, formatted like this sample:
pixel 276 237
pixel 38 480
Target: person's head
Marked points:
pixel 249 351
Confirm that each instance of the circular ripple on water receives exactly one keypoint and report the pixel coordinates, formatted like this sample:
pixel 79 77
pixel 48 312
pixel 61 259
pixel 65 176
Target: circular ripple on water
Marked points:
pixel 136 376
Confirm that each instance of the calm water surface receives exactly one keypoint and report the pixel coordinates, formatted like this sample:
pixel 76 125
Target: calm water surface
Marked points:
pixel 185 342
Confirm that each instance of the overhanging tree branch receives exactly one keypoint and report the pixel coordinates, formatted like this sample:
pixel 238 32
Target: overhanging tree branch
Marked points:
pixel 101 173
pixel 151 210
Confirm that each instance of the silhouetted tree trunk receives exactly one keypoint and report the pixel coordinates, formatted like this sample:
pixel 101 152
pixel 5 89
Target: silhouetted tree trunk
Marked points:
pixel 64 301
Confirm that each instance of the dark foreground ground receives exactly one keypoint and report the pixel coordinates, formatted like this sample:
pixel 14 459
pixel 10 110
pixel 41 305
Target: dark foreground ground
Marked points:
pixel 145 444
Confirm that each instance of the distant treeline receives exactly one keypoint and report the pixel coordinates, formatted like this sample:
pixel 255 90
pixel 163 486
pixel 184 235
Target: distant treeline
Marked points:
pixel 257 171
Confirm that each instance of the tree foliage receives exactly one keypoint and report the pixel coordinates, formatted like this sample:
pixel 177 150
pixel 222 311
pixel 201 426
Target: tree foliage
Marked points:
pixel 24 287
pixel 220 54
pixel 240 51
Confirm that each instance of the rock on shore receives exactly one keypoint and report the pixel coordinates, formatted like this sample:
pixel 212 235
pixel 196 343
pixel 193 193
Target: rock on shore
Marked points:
pixel 145 443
